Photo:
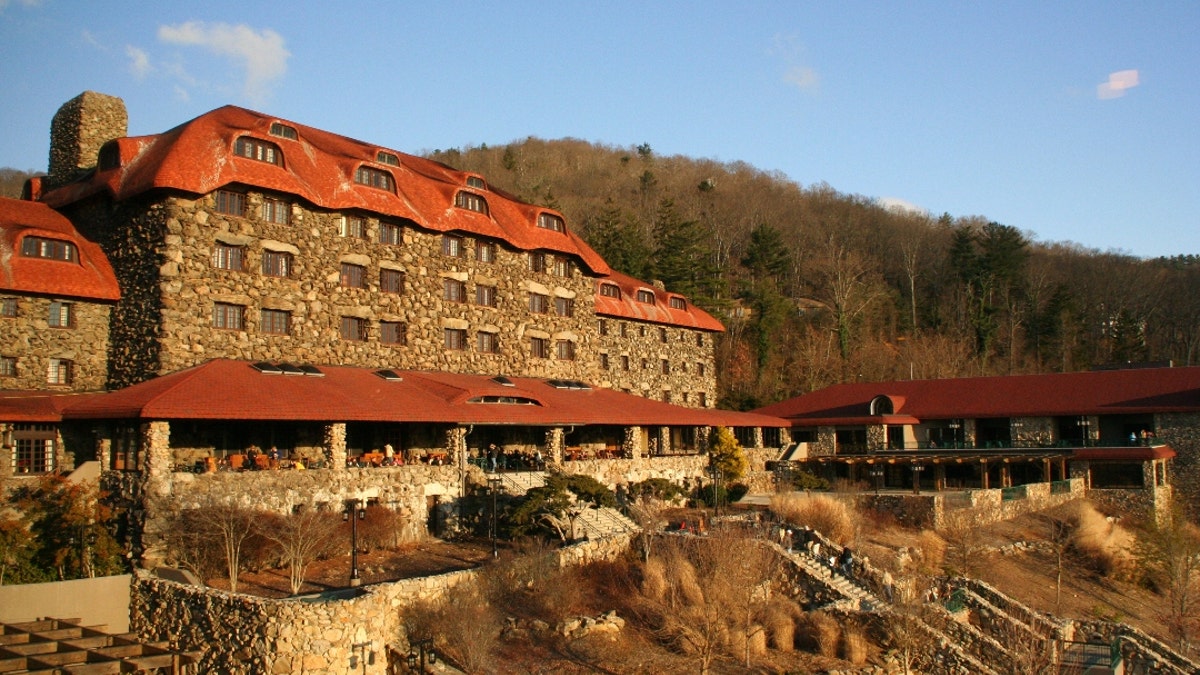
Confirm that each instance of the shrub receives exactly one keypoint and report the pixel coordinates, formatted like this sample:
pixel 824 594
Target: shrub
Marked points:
pixel 855 646
pixel 826 515
pixel 819 633
pixel 658 488
pixel 1107 546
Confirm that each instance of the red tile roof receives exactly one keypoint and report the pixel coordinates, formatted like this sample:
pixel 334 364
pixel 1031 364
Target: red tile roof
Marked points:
pixel 319 167
pixel 226 389
pixel 1104 392
pixel 90 277
pixel 35 406
pixel 627 306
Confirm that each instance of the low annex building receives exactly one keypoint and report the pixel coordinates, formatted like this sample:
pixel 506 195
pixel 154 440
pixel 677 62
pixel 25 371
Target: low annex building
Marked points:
pixel 1124 431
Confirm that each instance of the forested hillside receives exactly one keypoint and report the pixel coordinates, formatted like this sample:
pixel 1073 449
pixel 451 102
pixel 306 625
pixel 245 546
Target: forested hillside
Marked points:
pixel 817 287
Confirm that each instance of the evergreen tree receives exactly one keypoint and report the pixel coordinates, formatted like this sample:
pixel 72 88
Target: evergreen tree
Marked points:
pixel 682 257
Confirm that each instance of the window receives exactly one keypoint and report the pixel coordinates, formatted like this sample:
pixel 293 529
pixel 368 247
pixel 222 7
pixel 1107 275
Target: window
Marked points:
pixel 61 371
pixel 227 316
pixel 604 361
pixel 61 315
pixel 662 334
pixel 702 399
pixel 645 296
pixel 391 281
pixel 549 221
pixel 645 364
pixel 485 251
pixel 52 249
pixel 537 262
pixel 666 367
pixel 36 445
pixel 610 291
pixel 700 339
pixel 564 306
pixel 276 211
pixel 476 182
pixel 8 307
pixel 487 343
pixel 372 177
pixel 253 148
pixel 354 227
pixel 471 202
pixel 354 328
pixel 354 276
pixel 603 327
pixel 283 131
pixel 452 245
pixel 624 330
pixel 455 338
pixel 641 331
pixel 539 348
pixel 624 362
pixel 454 290
pixel 275 322
pixel 564 350
pixel 228 257
pixel 485 296
pixel 561 267
pixel 393 333
pixel 678 303
pixel 538 303
pixel 277 263
pixel 700 368
pixel 8 366
pixel 391 234
pixel 385 157
pixel 666 396
pixel 232 203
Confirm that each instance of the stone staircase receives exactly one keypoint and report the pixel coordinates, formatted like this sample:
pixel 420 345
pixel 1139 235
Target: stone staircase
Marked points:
pixel 517 483
pixel 604 522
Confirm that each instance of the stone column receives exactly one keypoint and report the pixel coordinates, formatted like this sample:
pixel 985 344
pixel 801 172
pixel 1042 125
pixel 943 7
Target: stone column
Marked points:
pixel 556 440
pixel 663 437
pixel 704 439
pixel 632 444
pixel 8 459
pixel 104 447
pixel 456 449
pixel 876 437
pixel 939 477
pixel 335 445
pixel 158 462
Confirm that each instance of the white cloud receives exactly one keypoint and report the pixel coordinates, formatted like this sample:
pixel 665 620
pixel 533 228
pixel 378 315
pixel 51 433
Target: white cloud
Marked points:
pixel 260 53
pixel 797 72
pixel 139 62
pixel 802 77
pixel 24 3
pixel 897 205
pixel 1117 84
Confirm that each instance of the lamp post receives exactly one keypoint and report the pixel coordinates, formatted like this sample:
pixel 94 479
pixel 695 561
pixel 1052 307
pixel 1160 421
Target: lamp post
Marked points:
pixel 494 486
pixel 420 653
pixel 877 473
pixel 1085 424
pixel 715 472
pixel 955 425
pixel 917 469
pixel 355 511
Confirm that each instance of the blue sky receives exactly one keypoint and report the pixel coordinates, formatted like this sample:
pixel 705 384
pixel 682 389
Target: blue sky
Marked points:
pixel 1073 121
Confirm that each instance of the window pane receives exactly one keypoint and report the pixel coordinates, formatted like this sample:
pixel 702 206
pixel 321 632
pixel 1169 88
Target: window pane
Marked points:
pixel 277 264
pixel 392 332
pixel 391 281
pixel 275 322
pixel 353 276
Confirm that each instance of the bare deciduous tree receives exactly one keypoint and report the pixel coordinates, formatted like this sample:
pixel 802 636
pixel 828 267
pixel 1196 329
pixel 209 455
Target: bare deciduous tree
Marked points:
pixel 300 539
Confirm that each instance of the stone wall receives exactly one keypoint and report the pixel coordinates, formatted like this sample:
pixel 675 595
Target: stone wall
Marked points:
pixel 312 635
pixel 79 129
pixel 931 509
pixel 29 338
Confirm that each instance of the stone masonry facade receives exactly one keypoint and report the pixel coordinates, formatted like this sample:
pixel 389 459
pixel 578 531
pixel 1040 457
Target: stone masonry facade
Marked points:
pixel 67 356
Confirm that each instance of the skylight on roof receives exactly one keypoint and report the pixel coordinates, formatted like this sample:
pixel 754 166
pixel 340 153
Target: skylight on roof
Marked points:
pixel 309 369
pixel 502 380
pixel 568 384
pixel 289 369
pixel 268 368
pixel 389 375
pixel 503 400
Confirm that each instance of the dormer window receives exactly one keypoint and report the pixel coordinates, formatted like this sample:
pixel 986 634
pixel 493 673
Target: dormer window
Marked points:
pixel 645 296
pixel 471 202
pixel 385 157
pixel 284 131
pixel 678 302
pixel 610 291
pixel 549 221
pixel 51 249
pixel 476 182
pixel 372 177
pixel 261 151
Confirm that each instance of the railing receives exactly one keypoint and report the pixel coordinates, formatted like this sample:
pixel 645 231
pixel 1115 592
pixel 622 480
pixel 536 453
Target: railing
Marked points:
pixel 1084 655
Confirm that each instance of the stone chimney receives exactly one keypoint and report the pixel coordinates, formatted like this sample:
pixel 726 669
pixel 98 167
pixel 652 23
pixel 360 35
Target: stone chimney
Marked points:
pixel 77 131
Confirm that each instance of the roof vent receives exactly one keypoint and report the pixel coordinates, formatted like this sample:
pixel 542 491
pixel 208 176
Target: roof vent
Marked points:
pixel 502 380
pixel 268 368
pixel 568 384
pixel 389 375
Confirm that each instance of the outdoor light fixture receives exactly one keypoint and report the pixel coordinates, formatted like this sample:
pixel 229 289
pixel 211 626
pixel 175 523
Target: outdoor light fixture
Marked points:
pixel 361 655
pixel 917 469
pixel 494 485
pixel 420 653
pixel 355 511
pixel 877 473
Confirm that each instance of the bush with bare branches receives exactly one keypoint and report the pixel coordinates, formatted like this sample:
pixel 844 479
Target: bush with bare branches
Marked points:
pixel 464 627
pixel 1108 546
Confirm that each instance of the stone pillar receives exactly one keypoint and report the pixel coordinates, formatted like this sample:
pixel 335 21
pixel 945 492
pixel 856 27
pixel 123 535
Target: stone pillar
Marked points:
pixel 968 430
pixel 1005 476
pixel 8 458
pixel 663 436
pixel 704 439
pixel 939 477
pixel 335 445
pixel 876 437
pixel 79 129
pixel 104 447
pixel 983 474
pixel 758 438
pixel 826 443
pixel 632 444
pixel 456 449
pixel 158 463
pixel 556 440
